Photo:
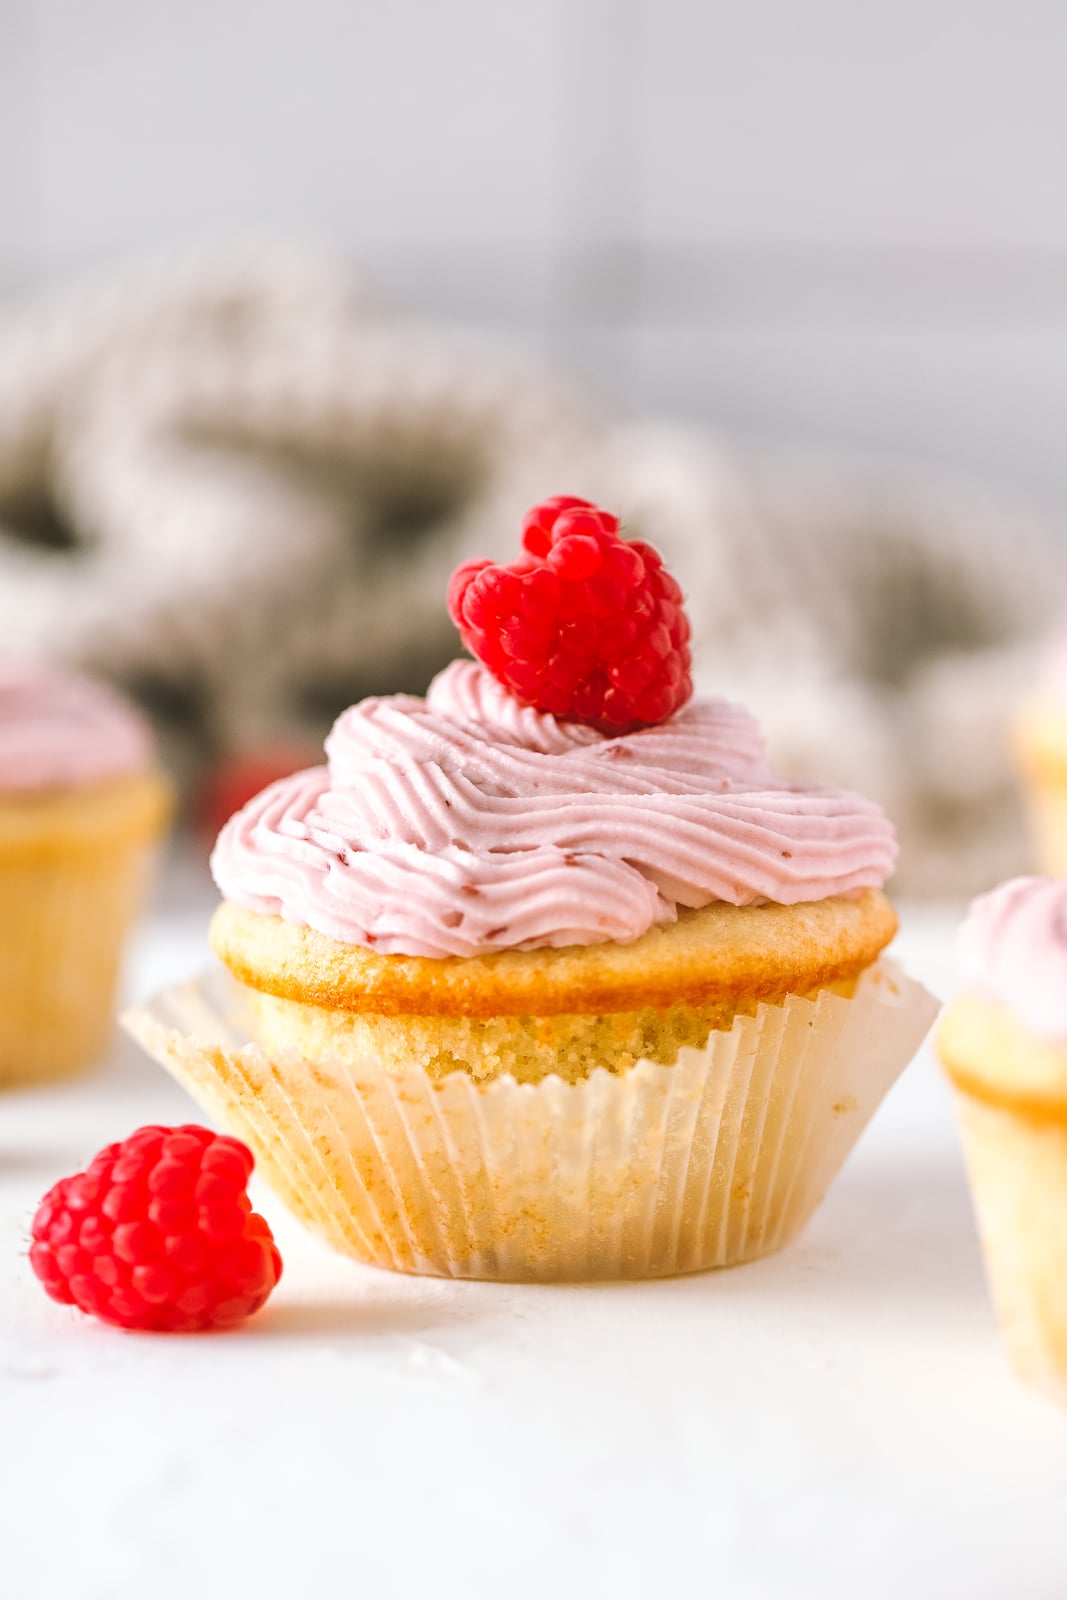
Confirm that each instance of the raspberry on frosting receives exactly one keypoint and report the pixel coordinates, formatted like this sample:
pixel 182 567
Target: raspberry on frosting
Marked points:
pixel 585 625
pixel 158 1234
pixel 558 791
pixel 466 822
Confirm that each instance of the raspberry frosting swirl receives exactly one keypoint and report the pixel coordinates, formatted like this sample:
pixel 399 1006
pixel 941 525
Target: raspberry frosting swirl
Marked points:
pixel 464 823
pixel 1013 951
pixel 59 731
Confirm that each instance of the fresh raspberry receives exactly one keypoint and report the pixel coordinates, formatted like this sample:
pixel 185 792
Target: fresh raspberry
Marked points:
pixel 158 1234
pixel 584 624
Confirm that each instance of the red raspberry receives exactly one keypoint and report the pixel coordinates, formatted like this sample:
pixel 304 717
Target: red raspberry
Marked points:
pixel 158 1234
pixel 584 624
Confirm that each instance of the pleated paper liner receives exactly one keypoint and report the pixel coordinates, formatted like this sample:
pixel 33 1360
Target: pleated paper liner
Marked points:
pixel 63 922
pixel 717 1159
pixel 1017 1165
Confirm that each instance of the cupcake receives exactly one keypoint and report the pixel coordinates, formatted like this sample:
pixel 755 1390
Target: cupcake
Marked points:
pixel 1003 1042
pixel 546 975
pixel 81 804
pixel 1041 746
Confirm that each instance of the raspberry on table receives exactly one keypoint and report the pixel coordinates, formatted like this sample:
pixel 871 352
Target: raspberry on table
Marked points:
pixel 585 624
pixel 158 1234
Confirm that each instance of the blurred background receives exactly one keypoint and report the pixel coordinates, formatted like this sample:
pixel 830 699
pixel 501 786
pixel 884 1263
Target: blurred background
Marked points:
pixel 301 305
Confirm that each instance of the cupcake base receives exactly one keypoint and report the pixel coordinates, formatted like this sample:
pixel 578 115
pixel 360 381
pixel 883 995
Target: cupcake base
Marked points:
pixel 73 868
pixel 1017 1163
pixel 1010 1087
pixel 717 1159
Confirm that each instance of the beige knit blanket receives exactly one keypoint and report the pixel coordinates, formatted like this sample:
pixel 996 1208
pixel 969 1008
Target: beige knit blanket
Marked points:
pixel 237 487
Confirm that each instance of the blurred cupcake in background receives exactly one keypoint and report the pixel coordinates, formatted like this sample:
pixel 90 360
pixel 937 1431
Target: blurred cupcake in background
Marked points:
pixel 82 802
pixel 1041 745
pixel 1003 1041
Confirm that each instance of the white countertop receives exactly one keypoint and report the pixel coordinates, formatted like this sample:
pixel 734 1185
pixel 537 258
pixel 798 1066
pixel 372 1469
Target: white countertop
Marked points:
pixel 837 1421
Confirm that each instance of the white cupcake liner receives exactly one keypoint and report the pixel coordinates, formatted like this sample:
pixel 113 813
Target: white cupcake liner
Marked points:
pixel 1017 1165
pixel 717 1159
pixel 63 923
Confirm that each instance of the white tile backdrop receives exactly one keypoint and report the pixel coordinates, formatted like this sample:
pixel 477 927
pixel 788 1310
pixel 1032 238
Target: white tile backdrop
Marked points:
pixel 818 219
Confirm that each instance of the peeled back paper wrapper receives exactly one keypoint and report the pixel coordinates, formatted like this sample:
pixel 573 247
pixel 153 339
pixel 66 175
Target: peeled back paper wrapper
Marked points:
pixel 717 1159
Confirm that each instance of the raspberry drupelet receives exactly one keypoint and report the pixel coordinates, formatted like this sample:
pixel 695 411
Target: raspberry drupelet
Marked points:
pixel 158 1234
pixel 585 624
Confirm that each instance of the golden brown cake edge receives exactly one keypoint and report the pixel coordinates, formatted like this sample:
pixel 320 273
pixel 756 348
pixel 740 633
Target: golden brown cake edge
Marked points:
pixel 718 954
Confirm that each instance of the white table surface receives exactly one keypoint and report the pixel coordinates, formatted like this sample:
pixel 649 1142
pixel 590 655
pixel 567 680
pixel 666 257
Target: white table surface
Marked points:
pixel 837 1421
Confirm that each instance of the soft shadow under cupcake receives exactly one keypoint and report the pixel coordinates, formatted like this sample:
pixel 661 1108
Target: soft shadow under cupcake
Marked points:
pixel 899 1234
pixel 349 1319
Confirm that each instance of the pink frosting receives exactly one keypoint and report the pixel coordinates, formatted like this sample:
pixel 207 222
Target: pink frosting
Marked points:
pixel 58 731
pixel 465 823
pixel 1013 951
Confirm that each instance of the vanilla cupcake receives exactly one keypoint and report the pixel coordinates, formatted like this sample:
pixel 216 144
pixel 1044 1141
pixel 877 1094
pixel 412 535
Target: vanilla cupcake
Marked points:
pixel 1041 746
pixel 567 989
pixel 1003 1041
pixel 81 804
